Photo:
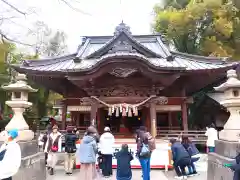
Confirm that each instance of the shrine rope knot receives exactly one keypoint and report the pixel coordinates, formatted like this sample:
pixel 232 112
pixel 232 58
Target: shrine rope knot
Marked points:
pixel 124 108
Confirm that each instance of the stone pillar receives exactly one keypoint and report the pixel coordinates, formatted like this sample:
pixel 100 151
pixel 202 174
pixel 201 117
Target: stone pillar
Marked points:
pixel 33 161
pixel 153 117
pixel 227 147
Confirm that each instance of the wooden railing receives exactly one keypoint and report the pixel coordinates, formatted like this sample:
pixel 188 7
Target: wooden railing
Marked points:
pixel 193 135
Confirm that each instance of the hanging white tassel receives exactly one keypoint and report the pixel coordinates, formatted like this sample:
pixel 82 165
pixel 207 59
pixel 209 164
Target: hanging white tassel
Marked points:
pixel 121 108
pixel 113 109
pixel 136 111
pixel 127 108
pixel 129 112
pixel 124 112
pixel 117 112
pixel 109 111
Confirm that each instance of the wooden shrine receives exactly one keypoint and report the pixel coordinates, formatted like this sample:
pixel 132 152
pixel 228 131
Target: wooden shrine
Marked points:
pixel 125 81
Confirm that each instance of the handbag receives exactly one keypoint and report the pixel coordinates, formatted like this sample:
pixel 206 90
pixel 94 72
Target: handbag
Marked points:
pixel 145 150
pixel 54 148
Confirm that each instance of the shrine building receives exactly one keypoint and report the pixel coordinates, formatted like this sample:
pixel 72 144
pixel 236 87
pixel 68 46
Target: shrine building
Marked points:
pixel 125 81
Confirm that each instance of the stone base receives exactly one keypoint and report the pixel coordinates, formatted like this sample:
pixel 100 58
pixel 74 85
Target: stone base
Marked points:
pixel 229 135
pixel 33 162
pixel 225 152
pixel 216 170
pixel 23 135
pixel 32 168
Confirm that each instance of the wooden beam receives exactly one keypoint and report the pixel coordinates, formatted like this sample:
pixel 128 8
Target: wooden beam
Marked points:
pixel 184 112
pixel 64 116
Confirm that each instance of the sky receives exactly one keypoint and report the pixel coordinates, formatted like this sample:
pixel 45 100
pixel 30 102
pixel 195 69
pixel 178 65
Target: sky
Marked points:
pixel 97 17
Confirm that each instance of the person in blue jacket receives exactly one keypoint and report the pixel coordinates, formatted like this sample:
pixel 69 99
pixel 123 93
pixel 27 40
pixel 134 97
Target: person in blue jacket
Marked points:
pixel 124 158
pixel 194 154
pixel 181 159
pixel 235 167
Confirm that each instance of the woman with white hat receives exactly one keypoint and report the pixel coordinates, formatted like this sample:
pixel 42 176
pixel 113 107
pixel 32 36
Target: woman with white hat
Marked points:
pixel 106 147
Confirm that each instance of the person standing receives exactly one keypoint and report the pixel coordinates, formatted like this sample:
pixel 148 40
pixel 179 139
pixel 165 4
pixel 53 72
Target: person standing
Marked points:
pixel 181 159
pixel 10 155
pixel 87 155
pixel 70 150
pixel 212 136
pixel 124 158
pixel 52 147
pixel 143 153
pixel 106 147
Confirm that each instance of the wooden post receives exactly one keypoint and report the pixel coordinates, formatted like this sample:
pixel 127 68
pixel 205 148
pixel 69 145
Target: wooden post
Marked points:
pixel 170 120
pixel 153 115
pixel 64 116
pixel 184 111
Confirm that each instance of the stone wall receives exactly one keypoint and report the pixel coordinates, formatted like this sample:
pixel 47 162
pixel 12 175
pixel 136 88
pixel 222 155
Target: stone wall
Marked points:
pixel 225 153
pixel 32 168
pixel 33 162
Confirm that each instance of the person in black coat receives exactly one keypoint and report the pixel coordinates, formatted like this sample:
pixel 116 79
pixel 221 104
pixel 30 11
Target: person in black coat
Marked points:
pixel 235 167
pixel 124 158
pixel 70 149
pixel 181 158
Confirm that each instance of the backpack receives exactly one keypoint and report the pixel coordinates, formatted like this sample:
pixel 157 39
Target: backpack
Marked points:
pixel 151 141
pixel 145 151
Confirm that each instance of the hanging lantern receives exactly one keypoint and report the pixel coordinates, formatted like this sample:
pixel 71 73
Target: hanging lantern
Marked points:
pixel 129 112
pixel 109 111
pixel 124 112
pixel 117 112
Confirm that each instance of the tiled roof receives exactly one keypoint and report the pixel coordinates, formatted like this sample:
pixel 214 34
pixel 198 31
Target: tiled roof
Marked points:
pixel 146 48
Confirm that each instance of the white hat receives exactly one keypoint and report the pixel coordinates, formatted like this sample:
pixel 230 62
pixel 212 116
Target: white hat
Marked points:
pixel 106 129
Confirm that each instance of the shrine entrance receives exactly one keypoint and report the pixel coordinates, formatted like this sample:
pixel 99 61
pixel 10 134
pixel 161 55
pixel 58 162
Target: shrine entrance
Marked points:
pixel 120 124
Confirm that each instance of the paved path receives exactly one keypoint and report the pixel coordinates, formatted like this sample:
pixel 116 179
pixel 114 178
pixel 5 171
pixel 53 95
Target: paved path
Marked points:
pixel 155 174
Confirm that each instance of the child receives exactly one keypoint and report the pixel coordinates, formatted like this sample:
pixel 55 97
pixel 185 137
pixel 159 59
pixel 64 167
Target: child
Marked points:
pixel 235 167
pixel 124 157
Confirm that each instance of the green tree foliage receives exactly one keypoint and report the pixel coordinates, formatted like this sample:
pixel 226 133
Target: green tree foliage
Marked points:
pixel 204 27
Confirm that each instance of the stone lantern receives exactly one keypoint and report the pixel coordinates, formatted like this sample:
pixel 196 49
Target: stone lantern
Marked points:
pixel 18 103
pixel 231 101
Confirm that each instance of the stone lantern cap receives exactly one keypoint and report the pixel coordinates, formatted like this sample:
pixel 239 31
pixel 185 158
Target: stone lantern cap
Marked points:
pixel 20 85
pixel 232 81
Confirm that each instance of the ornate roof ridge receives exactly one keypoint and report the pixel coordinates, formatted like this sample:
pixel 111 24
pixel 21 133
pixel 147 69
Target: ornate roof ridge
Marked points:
pixel 199 58
pixel 48 61
pixel 115 37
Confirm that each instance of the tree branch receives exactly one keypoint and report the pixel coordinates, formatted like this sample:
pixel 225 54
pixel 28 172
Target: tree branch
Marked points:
pixel 73 8
pixel 5 37
pixel 13 7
